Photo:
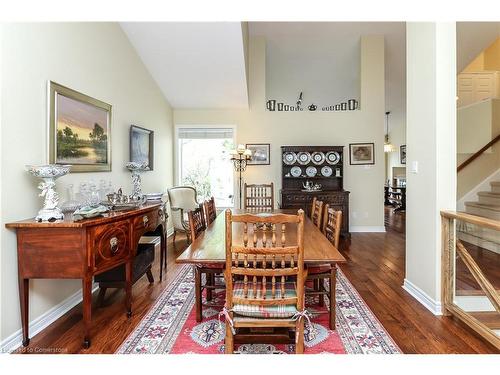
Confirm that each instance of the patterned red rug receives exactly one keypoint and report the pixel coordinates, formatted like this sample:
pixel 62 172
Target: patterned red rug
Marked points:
pixel 170 326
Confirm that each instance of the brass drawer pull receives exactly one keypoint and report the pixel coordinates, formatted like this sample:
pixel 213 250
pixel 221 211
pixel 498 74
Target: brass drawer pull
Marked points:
pixel 113 243
pixel 145 220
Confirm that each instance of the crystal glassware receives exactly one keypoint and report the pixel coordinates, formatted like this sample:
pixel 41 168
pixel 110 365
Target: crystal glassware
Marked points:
pixel 49 173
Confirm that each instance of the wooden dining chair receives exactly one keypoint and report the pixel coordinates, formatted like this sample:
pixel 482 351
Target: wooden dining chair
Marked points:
pixel 316 212
pixel 197 226
pixel 259 197
pixel 265 276
pixel 210 211
pixel 332 222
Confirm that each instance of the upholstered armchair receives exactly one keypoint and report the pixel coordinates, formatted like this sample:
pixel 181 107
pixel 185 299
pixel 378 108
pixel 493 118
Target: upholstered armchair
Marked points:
pixel 182 200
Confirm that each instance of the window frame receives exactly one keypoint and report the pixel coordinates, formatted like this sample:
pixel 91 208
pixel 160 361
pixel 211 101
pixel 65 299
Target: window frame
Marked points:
pixel 178 157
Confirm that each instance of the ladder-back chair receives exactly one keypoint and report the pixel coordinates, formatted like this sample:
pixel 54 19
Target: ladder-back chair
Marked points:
pixel 316 212
pixel 210 211
pixel 332 223
pixel 264 274
pixel 259 197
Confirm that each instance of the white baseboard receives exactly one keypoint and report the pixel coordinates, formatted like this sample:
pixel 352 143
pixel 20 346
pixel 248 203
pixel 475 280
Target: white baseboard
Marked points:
pixel 422 297
pixel 369 229
pixel 38 324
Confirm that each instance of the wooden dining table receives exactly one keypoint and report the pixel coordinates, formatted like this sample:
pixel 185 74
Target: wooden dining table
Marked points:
pixel 209 247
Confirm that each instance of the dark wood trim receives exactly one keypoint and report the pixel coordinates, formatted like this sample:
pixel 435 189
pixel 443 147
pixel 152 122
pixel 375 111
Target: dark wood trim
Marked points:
pixel 478 153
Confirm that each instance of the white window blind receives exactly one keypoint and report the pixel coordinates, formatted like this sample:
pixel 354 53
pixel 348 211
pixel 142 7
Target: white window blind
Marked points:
pixel 205 133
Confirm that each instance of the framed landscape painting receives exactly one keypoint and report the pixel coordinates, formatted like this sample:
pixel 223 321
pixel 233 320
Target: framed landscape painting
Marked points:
pixel 141 145
pixel 361 153
pixel 79 130
pixel 260 153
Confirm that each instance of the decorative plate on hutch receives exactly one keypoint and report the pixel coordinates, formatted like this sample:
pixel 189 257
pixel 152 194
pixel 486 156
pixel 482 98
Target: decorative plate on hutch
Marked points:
pixel 289 158
pixel 296 171
pixel 332 157
pixel 326 171
pixel 318 157
pixel 311 171
pixel 303 158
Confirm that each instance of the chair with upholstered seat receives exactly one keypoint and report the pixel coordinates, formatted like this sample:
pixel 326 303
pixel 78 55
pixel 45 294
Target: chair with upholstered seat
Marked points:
pixel 332 222
pixel 259 197
pixel 182 199
pixel 197 225
pixel 265 277
pixel 316 211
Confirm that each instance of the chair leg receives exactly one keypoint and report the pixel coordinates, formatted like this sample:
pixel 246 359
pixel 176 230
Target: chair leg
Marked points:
pixel 100 297
pixel 229 341
pixel 332 296
pixel 197 291
pixel 299 337
pixel 209 282
pixel 321 296
pixel 149 274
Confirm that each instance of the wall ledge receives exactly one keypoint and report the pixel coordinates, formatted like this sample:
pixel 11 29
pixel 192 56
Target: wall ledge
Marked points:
pixel 422 297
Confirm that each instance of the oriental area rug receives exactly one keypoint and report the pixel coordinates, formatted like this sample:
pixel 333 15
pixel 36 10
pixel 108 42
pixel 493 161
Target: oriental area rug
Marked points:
pixel 170 326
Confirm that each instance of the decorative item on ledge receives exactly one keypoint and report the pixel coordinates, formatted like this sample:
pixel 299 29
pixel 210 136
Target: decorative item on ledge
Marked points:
pixel 49 173
pixel 273 105
pixel 240 158
pixel 136 169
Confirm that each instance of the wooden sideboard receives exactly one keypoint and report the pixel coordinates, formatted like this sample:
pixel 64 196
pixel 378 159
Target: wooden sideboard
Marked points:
pixel 68 249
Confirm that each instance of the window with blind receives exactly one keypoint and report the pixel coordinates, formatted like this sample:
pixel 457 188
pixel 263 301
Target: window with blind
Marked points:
pixel 204 162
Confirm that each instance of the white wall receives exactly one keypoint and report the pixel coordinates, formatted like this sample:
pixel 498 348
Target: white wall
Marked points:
pixel 98 60
pixel 431 83
pixel 314 128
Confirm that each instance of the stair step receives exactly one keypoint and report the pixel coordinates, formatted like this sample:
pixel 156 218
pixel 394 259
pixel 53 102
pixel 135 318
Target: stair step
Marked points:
pixel 495 186
pixel 488 197
pixel 485 210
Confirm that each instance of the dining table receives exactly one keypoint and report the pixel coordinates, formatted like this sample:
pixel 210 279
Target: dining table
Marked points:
pixel 209 247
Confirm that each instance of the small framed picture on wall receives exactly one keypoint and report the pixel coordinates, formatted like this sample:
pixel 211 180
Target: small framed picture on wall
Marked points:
pixel 260 153
pixel 361 153
pixel 402 154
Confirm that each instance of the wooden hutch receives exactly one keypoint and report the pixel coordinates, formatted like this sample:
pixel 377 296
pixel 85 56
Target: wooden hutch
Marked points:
pixel 328 162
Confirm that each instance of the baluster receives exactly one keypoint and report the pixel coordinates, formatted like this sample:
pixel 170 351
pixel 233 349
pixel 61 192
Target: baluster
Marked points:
pixel 255 277
pixel 273 287
pixel 263 287
pixel 255 235
pixel 273 236
pixel 264 235
pixel 245 234
pixel 283 238
pixel 282 286
pixel 292 264
pixel 245 278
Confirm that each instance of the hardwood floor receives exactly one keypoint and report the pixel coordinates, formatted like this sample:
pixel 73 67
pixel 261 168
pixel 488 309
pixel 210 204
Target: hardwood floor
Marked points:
pixel 375 267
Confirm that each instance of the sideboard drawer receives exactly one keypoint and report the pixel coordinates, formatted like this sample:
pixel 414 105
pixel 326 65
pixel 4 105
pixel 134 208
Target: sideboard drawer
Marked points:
pixel 146 222
pixel 111 244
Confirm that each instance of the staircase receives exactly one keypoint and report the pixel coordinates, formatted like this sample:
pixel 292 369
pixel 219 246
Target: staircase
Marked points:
pixel 487 206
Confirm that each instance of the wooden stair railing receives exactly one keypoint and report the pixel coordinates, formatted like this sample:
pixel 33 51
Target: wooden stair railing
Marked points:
pixel 478 153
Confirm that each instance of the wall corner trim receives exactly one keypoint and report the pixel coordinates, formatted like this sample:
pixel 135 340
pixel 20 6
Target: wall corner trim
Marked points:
pixel 422 297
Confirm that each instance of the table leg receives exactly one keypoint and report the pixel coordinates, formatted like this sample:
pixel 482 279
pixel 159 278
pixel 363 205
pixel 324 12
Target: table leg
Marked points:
pixel 197 293
pixel 128 288
pixel 87 310
pixel 24 289
pixel 333 281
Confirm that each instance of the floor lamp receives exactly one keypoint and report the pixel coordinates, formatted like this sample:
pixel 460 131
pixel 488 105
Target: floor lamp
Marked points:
pixel 240 156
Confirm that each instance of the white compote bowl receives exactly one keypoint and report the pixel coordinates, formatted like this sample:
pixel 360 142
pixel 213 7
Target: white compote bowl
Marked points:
pixel 49 173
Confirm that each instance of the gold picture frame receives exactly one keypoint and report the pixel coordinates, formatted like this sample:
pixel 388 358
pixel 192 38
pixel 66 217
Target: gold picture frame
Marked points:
pixel 79 130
